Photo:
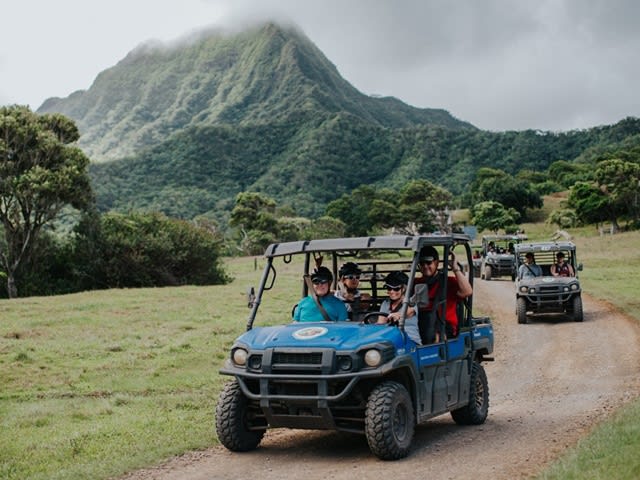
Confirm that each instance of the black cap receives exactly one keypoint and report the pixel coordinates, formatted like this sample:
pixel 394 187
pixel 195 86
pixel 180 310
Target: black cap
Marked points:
pixel 349 268
pixel 428 253
pixel 322 273
pixel 559 255
pixel 396 279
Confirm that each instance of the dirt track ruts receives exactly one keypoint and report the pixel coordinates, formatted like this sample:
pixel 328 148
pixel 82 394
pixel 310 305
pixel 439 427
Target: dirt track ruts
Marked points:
pixel 551 382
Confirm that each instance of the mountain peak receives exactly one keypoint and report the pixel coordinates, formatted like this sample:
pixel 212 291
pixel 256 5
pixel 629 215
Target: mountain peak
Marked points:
pixel 266 73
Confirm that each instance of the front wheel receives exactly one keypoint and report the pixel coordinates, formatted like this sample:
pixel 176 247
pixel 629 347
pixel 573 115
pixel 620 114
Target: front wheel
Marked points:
pixel 487 272
pixel 389 421
pixel 521 310
pixel 234 420
pixel 577 312
pixel 476 411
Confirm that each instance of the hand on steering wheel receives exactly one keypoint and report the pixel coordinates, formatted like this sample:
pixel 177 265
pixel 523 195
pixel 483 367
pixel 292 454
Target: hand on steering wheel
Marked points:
pixel 366 321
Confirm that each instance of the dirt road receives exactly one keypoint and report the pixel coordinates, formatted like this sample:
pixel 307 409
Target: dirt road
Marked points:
pixel 551 382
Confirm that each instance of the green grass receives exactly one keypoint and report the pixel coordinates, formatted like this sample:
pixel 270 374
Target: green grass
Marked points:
pixel 96 384
pixel 610 452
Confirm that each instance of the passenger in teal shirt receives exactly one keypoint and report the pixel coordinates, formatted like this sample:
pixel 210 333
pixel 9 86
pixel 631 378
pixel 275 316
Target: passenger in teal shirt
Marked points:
pixel 307 310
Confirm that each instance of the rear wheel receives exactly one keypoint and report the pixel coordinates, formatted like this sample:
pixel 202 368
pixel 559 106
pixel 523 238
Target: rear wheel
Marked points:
pixel 476 411
pixel 389 421
pixel 577 313
pixel 234 420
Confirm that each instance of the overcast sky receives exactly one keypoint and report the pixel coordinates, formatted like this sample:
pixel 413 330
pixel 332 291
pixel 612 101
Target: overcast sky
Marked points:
pixel 500 64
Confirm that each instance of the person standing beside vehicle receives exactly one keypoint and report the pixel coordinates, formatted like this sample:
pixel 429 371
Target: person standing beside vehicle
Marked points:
pixel 320 305
pixel 561 268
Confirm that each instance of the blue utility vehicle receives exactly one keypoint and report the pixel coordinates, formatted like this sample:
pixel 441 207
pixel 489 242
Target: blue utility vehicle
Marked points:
pixel 353 376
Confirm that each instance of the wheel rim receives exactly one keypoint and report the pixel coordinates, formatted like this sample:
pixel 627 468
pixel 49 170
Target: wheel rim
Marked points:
pixel 400 425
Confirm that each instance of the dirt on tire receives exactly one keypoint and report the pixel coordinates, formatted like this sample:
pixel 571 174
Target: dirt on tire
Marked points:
pixel 553 379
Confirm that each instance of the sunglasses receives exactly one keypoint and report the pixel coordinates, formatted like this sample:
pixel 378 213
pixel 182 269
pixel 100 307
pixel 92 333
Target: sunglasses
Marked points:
pixel 351 277
pixel 395 289
pixel 319 281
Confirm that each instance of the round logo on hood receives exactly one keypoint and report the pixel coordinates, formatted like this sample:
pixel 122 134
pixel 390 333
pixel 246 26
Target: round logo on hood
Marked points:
pixel 309 332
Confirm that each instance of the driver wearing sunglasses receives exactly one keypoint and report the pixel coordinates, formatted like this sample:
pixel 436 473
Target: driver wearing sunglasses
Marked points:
pixel 396 285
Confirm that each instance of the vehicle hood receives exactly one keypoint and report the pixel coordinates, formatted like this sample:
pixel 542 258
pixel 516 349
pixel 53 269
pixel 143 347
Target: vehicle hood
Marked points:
pixel 337 335
pixel 547 281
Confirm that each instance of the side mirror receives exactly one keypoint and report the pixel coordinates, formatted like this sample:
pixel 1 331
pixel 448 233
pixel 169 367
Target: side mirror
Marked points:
pixel 251 297
pixel 580 267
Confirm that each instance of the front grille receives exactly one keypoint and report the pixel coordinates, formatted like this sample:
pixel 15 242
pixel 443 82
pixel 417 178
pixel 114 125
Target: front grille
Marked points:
pixel 291 358
pixel 549 290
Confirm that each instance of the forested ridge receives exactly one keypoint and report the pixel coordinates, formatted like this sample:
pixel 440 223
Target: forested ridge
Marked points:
pixel 184 129
pixel 306 165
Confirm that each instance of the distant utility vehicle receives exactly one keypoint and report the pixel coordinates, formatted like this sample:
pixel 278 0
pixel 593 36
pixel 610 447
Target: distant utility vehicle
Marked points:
pixel 548 294
pixel 498 256
pixel 352 376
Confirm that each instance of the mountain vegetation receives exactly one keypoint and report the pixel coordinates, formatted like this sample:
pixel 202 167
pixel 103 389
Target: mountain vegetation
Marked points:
pixel 184 129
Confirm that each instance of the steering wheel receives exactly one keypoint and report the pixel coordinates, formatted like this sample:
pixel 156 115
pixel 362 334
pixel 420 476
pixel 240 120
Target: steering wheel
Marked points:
pixel 365 319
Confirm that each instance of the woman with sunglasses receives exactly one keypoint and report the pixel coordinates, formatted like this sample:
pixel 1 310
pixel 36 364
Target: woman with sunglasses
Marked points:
pixel 396 285
pixel 308 310
pixel 348 291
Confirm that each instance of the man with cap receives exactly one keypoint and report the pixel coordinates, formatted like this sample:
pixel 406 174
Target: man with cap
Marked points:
pixel 320 305
pixel 396 285
pixel 561 268
pixel 530 268
pixel 348 290
pixel 458 288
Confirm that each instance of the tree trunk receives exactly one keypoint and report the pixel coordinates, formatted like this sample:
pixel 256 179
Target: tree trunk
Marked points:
pixel 615 228
pixel 12 290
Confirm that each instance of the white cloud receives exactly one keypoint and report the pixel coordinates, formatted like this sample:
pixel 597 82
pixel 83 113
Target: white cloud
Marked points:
pixel 500 64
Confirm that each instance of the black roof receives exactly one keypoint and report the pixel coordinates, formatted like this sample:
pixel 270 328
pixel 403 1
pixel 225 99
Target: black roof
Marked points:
pixel 388 242
pixel 544 247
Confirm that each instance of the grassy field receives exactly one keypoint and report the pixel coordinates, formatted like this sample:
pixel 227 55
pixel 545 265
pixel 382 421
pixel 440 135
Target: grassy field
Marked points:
pixel 96 384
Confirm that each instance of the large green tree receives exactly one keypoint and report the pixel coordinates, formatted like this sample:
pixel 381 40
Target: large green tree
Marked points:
pixel 494 216
pixel 498 186
pixel 419 207
pixel 619 180
pixel 255 216
pixel 354 210
pixel 615 193
pixel 41 171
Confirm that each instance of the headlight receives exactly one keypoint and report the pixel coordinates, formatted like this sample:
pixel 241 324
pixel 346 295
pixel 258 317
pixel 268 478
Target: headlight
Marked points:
pixel 532 290
pixel 239 356
pixel 574 286
pixel 372 358
pixel 524 289
pixel 565 289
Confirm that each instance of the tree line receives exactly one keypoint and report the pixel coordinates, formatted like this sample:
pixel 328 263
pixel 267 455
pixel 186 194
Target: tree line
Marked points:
pixel 44 176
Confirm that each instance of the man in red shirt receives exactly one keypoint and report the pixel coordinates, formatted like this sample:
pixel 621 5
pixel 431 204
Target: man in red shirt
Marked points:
pixel 458 288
